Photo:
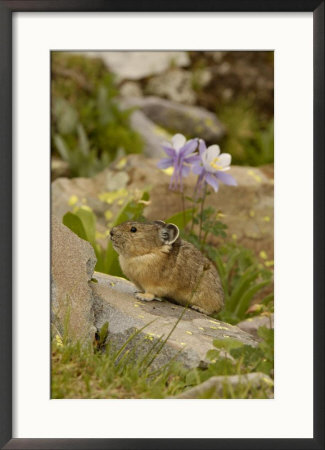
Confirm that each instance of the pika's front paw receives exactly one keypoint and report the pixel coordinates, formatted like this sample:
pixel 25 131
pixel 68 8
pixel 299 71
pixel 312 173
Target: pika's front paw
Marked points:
pixel 144 296
pixel 199 309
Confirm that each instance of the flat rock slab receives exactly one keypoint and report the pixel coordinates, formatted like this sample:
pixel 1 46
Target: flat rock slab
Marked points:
pixel 114 302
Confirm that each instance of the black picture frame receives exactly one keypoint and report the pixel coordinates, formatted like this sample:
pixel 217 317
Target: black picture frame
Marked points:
pixel 7 8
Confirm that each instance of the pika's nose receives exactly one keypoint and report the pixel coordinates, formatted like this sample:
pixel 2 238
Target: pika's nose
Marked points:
pixel 111 233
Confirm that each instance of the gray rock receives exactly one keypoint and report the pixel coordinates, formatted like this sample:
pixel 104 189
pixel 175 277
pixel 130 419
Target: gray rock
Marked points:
pixel 114 302
pixel 214 386
pixel 188 120
pixel 72 265
pixel 136 65
pixel 59 168
pixel 251 325
pixel 176 85
pixel 131 89
pixel 152 135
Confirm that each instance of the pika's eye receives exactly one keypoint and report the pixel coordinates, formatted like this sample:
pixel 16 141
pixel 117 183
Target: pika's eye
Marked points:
pixel 133 230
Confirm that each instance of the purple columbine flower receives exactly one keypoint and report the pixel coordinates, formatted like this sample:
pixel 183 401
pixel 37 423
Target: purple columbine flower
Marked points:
pixel 180 157
pixel 212 166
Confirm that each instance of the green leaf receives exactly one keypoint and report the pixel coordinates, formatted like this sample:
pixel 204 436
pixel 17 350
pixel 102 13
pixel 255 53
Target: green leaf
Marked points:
pixel 213 354
pixel 74 222
pixel 227 344
pixel 241 286
pixel 246 299
pixel 103 333
pixel 269 298
pixel 88 220
pixel 182 218
pixel 83 140
pixel 62 147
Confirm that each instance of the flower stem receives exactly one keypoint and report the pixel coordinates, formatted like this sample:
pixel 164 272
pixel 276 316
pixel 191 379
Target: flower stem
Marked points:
pixel 183 208
pixel 201 211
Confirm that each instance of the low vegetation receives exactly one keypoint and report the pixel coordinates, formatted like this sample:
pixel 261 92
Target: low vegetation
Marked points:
pixel 79 372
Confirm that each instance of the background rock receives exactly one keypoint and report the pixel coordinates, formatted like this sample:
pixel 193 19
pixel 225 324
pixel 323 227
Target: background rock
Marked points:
pixel 72 265
pixel 114 302
pixel 136 65
pixel 188 120
pixel 152 135
pixel 214 386
pixel 252 324
pixel 176 85
pixel 131 89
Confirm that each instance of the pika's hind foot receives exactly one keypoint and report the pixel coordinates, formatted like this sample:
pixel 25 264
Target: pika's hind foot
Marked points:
pixel 199 309
pixel 146 296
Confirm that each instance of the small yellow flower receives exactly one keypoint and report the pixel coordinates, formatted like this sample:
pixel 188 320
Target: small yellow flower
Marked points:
pixel 269 263
pixel 122 162
pixel 263 254
pixel 108 214
pixel 234 236
pixel 58 341
pixel 266 219
pixel 73 200
pixel 169 171
pixel 252 213
pixel 189 332
pixel 85 208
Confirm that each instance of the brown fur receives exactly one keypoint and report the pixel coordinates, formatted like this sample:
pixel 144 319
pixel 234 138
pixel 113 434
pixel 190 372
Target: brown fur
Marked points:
pixel 176 271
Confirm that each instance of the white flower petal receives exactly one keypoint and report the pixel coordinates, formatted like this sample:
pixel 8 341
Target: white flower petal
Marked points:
pixel 213 150
pixel 178 141
pixel 211 154
pixel 224 160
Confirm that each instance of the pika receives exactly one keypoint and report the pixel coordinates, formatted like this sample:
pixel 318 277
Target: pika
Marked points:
pixel 161 264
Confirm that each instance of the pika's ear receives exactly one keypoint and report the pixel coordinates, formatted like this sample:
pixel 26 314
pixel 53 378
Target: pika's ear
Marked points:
pixel 169 233
pixel 159 222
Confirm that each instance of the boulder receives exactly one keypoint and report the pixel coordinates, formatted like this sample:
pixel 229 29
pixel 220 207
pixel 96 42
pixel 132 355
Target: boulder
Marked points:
pixel 131 89
pixel 176 85
pixel 191 121
pixel 189 339
pixel 252 324
pixel 130 65
pixel 214 386
pixel 153 135
pixel 72 265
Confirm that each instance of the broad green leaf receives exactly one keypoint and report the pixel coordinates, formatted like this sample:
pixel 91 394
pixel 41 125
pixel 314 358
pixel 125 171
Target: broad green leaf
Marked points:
pixel 227 344
pixel 62 147
pixel 241 286
pixel 74 222
pixel 88 220
pixel 83 141
pixel 182 218
pixel 246 299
